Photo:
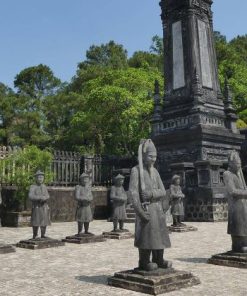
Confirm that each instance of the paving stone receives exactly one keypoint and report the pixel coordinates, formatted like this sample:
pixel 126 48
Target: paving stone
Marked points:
pixel 83 269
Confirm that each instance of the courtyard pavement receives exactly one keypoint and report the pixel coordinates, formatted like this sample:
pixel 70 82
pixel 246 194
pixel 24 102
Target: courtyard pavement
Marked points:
pixel 83 269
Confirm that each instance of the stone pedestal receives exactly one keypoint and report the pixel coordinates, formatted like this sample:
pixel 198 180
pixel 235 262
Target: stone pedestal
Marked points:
pixel 182 228
pixel 124 234
pixel 84 238
pixel 40 243
pixel 154 283
pixel 230 259
pixel 6 249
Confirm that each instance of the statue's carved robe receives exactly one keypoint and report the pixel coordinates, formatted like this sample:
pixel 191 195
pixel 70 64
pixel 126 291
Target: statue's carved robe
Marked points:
pixel 118 198
pixel 177 206
pixel 237 205
pixel 152 235
pixel 84 196
pixel 39 195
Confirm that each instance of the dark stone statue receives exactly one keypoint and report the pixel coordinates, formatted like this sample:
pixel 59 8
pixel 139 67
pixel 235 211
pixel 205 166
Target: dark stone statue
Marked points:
pixel 118 198
pixel 176 196
pixel 237 203
pixel 150 203
pixel 39 195
pixel 84 197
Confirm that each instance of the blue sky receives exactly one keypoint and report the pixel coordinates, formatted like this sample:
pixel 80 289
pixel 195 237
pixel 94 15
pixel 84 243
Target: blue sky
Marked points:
pixel 58 32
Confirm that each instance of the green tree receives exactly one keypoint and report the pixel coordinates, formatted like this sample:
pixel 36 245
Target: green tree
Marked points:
pixel 145 60
pixel 59 111
pixel 117 110
pixel 231 64
pixel 239 44
pixel 110 55
pixel 36 82
pixel 33 85
pixel 157 45
pixel 8 120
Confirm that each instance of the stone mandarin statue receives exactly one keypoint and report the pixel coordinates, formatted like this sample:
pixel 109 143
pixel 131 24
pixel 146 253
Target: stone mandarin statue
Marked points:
pixel 84 197
pixel 39 196
pixel 150 204
pixel 118 198
pixel 237 203
pixel 176 196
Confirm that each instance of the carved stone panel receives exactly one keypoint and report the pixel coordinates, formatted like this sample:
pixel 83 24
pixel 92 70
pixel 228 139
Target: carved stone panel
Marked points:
pixel 206 70
pixel 178 56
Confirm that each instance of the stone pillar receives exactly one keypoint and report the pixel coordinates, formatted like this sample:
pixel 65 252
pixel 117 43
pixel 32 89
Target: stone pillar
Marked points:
pixel 207 201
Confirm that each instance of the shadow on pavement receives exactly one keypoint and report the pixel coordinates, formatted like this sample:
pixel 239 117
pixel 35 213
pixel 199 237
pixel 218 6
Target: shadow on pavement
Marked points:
pixel 193 260
pixel 94 279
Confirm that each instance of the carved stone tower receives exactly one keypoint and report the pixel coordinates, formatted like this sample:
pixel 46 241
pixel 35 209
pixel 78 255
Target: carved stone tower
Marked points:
pixel 196 128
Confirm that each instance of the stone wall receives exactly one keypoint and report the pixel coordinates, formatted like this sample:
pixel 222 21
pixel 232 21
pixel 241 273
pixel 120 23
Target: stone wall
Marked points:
pixel 62 205
pixel 207 210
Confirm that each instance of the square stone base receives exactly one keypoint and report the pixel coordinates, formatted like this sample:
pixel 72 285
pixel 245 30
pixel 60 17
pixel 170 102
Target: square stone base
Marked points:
pixel 125 234
pixel 6 249
pixel 40 243
pixel 154 283
pixel 184 228
pixel 230 259
pixel 84 238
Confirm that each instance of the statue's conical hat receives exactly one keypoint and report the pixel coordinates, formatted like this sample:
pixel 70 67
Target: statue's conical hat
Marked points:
pixel 119 176
pixel 148 146
pixel 175 177
pixel 84 175
pixel 39 173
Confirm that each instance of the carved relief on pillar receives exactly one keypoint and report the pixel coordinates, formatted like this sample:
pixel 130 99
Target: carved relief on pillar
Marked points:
pixel 214 154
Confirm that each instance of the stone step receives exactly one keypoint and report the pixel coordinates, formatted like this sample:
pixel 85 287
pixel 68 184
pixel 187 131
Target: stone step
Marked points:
pixel 130 220
pixel 130 211
pixel 131 215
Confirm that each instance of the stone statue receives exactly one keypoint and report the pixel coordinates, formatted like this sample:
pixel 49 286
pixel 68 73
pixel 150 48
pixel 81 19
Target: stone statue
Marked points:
pixel 150 203
pixel 176 196
pixel 237 203
pixel 1 201
pixel 84 197
pixel 39 195
pixel 118 198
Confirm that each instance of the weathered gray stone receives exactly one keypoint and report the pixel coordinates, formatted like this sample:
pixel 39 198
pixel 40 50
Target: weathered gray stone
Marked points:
pixel 178 55
pixel 231 259
pixel 4 249
pixel 182 228
pixel 196 124
pixel 204 54
pixel 164 281
pixel 124 234
pixel 118 198
pixel 84 238
pixel 150 203
pixel 40 243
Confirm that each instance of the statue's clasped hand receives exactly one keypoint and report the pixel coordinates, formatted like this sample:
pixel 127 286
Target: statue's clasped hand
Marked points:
pixel 146 195
pixel 145 216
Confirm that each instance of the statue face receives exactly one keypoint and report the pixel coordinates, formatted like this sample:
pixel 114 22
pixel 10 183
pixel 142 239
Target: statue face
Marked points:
pixel 150 158
pixel 119 182
pixel 235 165
pixel 39 179
pixel 177 181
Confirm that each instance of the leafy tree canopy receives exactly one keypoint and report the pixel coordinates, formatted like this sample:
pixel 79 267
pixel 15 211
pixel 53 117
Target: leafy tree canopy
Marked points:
pixel 36 82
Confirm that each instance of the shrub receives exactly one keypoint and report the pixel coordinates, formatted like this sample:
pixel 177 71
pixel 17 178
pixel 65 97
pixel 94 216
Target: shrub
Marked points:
pixel 19 168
